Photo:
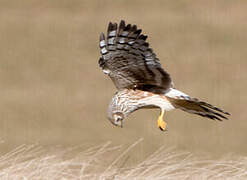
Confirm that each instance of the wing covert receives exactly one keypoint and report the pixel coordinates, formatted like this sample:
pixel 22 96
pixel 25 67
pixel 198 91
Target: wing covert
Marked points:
pixel 129 61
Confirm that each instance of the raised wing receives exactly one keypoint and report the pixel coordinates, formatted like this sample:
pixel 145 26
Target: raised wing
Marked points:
pixel 128 60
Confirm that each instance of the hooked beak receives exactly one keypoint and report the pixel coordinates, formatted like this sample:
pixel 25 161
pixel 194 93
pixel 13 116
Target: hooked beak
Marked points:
pixel 117 122
pixel 117 119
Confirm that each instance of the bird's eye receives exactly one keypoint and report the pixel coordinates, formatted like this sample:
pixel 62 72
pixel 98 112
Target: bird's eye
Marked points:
pixel 118 119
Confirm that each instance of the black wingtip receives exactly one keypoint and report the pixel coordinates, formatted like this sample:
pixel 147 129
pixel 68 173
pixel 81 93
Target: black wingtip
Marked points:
pixel 122 24
pixel 114 26
pixel 110 25
pixel 138 31
pixel 228 113
pixel 102 36
pixel 133 28
pixel 101 62
pixel 143 37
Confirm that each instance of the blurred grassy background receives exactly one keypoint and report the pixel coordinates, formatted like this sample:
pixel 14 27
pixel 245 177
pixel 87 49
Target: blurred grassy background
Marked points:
pixel 53 92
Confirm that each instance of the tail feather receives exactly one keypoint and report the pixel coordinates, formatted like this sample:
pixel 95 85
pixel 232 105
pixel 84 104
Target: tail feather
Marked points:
pixel 195 106
pixel 213 107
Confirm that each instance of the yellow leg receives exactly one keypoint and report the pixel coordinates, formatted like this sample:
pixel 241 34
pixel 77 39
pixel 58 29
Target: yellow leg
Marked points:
pixel 161 123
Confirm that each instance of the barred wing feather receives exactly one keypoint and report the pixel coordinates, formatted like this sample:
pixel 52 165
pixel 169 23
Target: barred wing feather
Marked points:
pixel 129 61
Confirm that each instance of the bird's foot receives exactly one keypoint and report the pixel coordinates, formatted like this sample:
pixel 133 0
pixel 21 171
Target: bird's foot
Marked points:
pixel 161 123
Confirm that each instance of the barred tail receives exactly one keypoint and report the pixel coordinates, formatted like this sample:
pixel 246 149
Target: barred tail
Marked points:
pixel 195 106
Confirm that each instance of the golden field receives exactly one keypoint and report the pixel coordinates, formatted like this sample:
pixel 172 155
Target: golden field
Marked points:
pixel 52 91
pixel 105 161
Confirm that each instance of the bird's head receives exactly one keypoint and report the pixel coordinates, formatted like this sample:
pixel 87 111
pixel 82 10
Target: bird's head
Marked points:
pixel 117 119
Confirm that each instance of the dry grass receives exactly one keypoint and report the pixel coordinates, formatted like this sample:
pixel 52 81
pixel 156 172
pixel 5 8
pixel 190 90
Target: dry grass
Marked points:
pixel 53 92
pixel 106 161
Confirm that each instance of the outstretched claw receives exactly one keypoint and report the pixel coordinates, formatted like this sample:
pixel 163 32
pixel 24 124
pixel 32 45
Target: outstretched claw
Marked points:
pixel 161 123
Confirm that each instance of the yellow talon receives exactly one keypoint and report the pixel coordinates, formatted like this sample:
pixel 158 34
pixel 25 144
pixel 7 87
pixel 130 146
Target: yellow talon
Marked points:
pixel 161 123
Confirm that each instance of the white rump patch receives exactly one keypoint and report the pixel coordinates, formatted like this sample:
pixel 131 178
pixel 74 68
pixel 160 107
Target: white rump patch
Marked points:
pixel 174 93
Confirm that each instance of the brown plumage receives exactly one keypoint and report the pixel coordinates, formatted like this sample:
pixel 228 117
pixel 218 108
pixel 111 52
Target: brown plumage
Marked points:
pixel 141 81
pixel 129 61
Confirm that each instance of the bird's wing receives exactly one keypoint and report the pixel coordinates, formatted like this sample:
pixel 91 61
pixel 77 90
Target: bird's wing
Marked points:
pixel 129 61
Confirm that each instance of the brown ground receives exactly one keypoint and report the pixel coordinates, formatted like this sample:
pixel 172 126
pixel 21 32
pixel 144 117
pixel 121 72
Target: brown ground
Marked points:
pixel 53 92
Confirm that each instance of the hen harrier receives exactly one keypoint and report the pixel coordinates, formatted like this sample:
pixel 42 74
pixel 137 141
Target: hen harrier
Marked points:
pixel 141 82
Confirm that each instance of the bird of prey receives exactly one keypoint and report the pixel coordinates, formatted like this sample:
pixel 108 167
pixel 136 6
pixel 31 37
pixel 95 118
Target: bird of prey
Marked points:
pixel 140 80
